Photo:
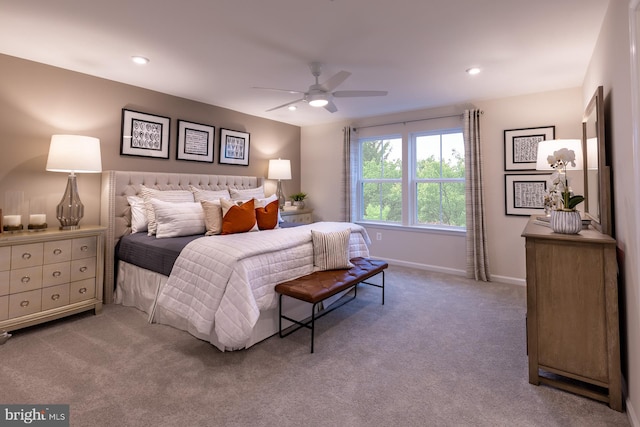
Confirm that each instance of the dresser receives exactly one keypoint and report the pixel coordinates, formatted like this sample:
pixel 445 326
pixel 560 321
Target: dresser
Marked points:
pixel 572 312
pixel 50 274
pixel 298 216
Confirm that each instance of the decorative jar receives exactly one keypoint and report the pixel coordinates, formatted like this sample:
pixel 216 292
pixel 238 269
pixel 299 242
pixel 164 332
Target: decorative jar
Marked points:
pixel 566 221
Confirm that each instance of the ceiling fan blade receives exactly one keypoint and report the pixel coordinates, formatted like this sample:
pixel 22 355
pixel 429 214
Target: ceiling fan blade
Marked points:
pixel 286 105
pixel 335 81
pixel 357 93
pixel 278 90
pixel 331 107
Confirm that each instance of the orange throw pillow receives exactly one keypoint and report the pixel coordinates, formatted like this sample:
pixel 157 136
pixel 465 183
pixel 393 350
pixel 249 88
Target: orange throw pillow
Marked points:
pixel 238 219
pixel 268 216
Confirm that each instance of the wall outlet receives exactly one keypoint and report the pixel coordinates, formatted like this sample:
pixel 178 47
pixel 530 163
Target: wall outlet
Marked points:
pixel 378 236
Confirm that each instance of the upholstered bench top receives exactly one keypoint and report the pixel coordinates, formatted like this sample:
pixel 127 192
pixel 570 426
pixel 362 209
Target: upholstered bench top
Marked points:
pixel 320 285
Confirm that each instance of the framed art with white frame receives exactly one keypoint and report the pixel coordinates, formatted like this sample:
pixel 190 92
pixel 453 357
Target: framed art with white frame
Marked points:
pixel 144 135
pixel 521 146
pixel 524 194
pixel 234 147
pixel 195 141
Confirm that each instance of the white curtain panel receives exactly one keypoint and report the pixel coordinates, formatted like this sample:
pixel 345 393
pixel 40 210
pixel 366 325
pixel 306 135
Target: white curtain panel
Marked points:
pixel 350 146
pixel 477 253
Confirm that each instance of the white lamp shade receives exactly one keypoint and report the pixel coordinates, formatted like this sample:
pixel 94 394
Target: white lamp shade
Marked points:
pixel 74 153
pixel 279 169
pixel 546 149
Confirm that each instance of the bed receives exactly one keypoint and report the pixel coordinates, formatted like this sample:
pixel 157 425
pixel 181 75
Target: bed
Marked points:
pixel 220 288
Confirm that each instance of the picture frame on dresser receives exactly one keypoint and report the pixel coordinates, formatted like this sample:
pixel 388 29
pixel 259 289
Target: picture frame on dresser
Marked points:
pixel 521 146
pixel 524 193
pixel 195 141
pixel 144 135
pixel 234 147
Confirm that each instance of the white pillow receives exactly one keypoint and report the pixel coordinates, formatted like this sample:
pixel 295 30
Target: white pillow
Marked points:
pixel 178 219
pixel 249 193
pixel 212 216
pixel 174 196
pixel 331 250
pixel 211 195
pixel 139 220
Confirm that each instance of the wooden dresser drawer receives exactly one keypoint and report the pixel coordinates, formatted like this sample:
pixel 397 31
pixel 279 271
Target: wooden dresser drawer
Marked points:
pixel 83 269
pixel 82 290
pixel 26 255
pixel 25 303
pixel 4 282
pixel 4 307
pixel 58 251
pixel 56 274
pixel 84 248
pixel 25 279
pixel 55 296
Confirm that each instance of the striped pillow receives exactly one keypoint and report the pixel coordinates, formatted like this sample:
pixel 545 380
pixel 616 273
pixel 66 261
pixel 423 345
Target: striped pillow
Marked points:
pixel 174 196
pixel 331 250
pixel 178 219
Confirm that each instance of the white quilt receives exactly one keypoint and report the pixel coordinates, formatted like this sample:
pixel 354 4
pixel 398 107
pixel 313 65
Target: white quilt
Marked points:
pixel 219 284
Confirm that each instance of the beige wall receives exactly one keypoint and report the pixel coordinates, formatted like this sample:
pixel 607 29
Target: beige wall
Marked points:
pixel 445 251
pixel 38 101
pixel 610 67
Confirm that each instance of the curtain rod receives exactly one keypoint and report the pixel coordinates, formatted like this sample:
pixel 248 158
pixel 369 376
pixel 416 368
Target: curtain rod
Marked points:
pixel 404 122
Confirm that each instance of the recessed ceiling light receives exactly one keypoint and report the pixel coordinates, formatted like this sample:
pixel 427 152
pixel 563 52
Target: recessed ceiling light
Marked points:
pixel 473 71
pixel 292 108
pixel 141 60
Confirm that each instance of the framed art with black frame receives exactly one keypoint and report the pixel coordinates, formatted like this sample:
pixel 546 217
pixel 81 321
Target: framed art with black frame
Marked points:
pixel 234 147
pixel 144 135
pixel 195 141
pixel 524 194
pixel 521 146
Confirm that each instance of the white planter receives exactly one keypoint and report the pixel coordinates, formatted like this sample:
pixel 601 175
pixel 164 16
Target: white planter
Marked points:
pixel 566 222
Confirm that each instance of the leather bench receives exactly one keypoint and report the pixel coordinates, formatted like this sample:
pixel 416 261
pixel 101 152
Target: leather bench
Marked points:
pixel 320 285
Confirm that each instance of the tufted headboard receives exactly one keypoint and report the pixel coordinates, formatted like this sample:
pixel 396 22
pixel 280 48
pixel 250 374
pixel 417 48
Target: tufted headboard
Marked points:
pixel 115 213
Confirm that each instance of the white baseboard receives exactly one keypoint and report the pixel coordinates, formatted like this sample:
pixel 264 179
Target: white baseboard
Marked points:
pixel 631 414
pixel 453 271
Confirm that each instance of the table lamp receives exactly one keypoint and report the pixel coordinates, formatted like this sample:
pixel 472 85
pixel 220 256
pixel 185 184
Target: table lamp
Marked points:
pixel 279 169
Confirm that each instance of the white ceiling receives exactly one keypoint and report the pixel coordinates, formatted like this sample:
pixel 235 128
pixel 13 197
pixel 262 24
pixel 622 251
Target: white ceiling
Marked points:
pixel 215 51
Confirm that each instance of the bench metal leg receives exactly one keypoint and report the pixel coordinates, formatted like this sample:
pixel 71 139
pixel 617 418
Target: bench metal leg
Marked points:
pixel 377 286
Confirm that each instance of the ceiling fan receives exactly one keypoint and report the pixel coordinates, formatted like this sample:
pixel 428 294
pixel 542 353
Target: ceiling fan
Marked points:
pixel 322 94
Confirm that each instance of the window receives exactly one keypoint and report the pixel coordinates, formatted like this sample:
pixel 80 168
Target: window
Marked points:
pixel 422 185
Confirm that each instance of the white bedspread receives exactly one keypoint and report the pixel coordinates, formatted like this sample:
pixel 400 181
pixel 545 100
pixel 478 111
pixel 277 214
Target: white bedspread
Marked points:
pixel 219 284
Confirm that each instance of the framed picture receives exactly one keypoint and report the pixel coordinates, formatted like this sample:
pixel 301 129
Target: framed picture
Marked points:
pixel 195 141
pixel 521 146
pixel 234 147
pixel 144 135
pixel 524 194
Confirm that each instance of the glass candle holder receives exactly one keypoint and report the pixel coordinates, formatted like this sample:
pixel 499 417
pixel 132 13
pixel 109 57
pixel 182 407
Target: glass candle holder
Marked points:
pixel 37 215
pixel 12 216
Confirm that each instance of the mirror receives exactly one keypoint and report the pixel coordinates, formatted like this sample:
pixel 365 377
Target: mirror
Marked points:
pixel 596 172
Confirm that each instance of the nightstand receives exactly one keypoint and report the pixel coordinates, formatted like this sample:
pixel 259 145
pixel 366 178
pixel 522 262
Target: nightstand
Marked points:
pixel 50 274
pixel 298 216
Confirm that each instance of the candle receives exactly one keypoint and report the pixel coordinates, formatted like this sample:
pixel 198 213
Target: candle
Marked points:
pixel 12 220
pixel 37 219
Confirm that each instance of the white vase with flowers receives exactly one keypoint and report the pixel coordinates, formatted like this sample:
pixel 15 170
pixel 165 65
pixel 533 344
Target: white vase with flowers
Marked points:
pixel 565 218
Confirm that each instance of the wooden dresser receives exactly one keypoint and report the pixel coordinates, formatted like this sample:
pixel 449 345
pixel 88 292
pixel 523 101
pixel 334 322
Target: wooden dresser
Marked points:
pixel 50 274
pixel 572 312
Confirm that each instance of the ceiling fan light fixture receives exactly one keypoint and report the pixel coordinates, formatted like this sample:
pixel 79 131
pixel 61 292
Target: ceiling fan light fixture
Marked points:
pixel 318 100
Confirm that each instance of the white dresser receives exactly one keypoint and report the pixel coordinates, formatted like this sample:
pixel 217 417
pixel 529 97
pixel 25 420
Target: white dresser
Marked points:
pixel 50 274
pixel 298 216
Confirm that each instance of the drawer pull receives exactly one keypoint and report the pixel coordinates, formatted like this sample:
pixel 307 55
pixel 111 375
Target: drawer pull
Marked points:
pixel 57 251
pixel 84 248
pixel 55 297
pixel 83 269
pixel 25 279
pixel 26 255
pixel 24 303
pixel 57 273
pixel 83 290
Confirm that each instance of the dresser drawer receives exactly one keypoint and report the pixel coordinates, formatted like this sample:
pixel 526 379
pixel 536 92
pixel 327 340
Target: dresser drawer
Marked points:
pixel 57 251
pixel 26 255
pixel 82 290
pixel 55 296
pixel 83 269
pixel 5 258
pixel 25 303
pixel 4 307
pixel 84 247
pixel 4 282
pixel 25 279
pixel 56 274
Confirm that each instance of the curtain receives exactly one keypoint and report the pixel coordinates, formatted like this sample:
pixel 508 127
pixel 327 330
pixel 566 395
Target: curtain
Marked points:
pixel 477 253
pixel 349 170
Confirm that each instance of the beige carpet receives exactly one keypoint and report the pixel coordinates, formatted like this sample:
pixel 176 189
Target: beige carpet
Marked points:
pixel 442 351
